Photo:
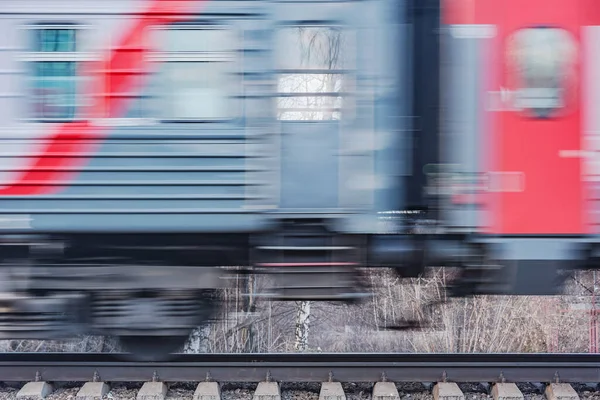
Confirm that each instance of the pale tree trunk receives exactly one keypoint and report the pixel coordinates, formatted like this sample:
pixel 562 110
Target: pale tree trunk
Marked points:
pixel 302 325
pixel 248 307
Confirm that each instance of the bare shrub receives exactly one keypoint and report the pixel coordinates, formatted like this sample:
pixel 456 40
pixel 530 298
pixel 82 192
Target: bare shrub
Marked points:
pixel 83 344
pixel 477 324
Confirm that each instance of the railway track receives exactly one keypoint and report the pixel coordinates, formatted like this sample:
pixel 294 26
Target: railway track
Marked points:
pixel 345 367
pixel 42 369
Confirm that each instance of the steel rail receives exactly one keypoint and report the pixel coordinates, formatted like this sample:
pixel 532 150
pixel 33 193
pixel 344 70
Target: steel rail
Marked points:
pixel 344 367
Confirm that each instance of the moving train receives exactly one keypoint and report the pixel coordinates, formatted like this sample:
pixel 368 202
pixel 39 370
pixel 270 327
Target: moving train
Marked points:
pixel 149 148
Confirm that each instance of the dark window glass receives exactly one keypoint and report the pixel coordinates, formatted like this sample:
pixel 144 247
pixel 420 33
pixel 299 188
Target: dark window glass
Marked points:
pixel 54 80
pixel 55 40
pixel 54 90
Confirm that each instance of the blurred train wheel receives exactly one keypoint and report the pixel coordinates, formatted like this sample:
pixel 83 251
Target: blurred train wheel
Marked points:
pixel 152 348
pixel 191 310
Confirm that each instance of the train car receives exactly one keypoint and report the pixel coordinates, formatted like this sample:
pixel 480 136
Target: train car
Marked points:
pixel 146 143
pixel 518 141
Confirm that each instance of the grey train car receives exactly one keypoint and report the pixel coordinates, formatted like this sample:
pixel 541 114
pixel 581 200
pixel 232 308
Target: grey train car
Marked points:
pixel 146 144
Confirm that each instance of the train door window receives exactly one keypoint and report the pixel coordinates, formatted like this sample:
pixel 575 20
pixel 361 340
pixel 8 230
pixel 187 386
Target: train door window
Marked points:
pixel 542 62
pixel 195 76
pixel 312 72
pixel 54 82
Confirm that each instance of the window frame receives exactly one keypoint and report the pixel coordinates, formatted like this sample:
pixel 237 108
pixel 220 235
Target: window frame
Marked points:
pixel 349 75
pixel 232 91
pixel 540 113
pixel 82 54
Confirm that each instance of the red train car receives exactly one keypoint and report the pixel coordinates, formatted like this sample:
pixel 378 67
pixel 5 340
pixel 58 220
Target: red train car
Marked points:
pixel 519 121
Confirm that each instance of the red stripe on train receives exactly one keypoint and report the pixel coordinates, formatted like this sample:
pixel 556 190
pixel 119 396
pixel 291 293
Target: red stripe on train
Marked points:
pixel 72 143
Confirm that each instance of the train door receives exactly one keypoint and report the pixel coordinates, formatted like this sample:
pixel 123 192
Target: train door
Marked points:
pixel 533 187
pixel 315 47
pixel 519 96
pixel 512 124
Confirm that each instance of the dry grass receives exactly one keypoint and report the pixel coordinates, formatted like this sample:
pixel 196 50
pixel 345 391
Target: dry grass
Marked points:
pixel 480 324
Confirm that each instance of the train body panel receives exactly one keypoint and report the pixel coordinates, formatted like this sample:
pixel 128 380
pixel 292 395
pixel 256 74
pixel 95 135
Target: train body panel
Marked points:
pixel 509 129
pixel 136 151
pixel 547 196
pixel 146 143
pixel 590 124
pixel 465 71
pixel 514 109
pixel 119 162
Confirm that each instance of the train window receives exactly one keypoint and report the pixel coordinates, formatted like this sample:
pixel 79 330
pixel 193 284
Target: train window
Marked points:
pixel 542 63
pixel 195 75
pixel 311 64
pixel 54 70
pixel 55 40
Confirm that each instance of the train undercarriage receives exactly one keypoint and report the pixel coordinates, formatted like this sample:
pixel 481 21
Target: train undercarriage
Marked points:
pixel 152 291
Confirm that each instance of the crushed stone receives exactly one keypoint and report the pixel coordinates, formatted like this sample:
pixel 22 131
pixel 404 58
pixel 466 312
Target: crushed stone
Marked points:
pixel 237 394
pixel 124 391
